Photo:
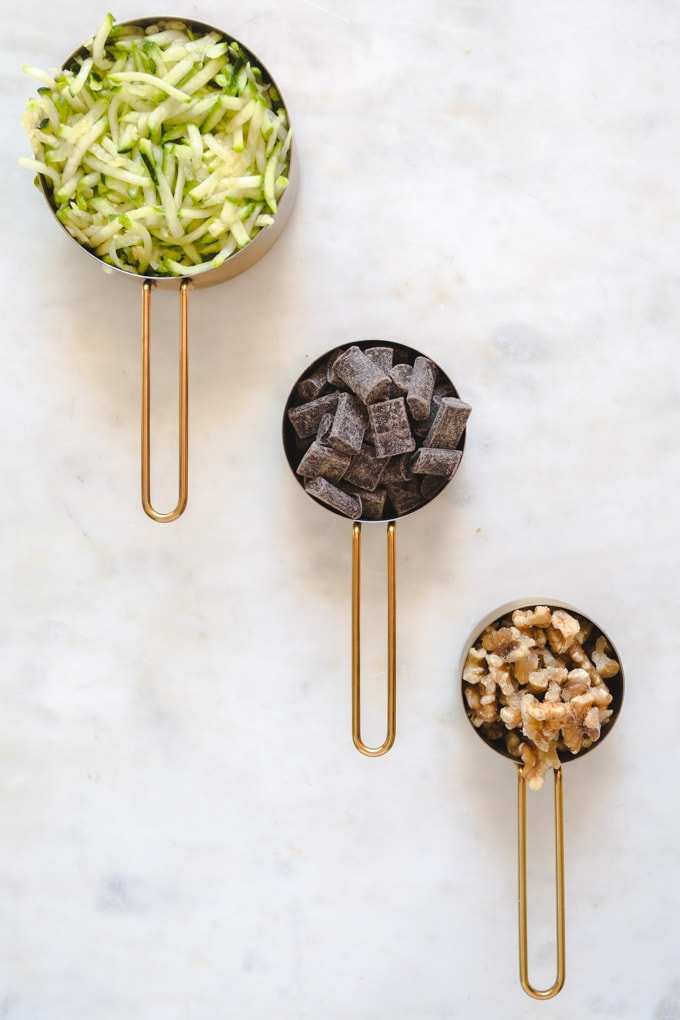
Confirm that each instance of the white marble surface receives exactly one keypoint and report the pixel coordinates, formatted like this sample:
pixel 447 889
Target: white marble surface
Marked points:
pixel 187 831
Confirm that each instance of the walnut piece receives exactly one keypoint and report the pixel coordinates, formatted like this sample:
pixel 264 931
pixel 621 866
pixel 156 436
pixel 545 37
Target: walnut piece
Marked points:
pixel 536 680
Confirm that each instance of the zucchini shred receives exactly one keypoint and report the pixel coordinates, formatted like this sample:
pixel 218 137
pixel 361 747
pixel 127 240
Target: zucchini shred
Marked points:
pixel 162 148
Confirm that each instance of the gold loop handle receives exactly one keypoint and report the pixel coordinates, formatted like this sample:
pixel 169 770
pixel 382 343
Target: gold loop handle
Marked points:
pixel 559 888
pixel 183 492
pixel 374 752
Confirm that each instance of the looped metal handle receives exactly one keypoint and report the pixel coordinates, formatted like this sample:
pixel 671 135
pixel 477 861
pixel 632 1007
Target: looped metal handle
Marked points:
pixel 548 993
pixel 183 489
pixel 374 752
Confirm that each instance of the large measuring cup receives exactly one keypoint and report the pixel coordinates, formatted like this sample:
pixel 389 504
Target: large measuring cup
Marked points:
pixel 235 263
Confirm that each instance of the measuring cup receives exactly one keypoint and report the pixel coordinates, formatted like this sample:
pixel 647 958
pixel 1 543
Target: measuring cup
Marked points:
pixel 497 741
pixel 313 385
pixel 233 265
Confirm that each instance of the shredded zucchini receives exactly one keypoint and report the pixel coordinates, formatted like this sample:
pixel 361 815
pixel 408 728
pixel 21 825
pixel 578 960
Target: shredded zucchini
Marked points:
pixel 162 151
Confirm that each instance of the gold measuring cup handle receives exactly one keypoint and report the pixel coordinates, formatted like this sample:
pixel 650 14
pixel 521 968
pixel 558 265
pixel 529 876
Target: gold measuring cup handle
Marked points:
pixel 180 507
pixel 548 993
pixel 374 752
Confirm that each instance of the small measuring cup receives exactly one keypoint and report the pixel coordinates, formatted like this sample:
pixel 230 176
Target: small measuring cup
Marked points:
pixel 498 742
pixel 241 260
pixel 314 384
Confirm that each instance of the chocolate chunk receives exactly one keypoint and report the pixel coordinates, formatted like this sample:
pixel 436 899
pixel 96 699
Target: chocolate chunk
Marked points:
pixel 333 379
pixel 398 469
pixel 322 460
pixel 449 424
pixel 361 375
pixel 401 377
pixel 312 385
pixel 432 460
pixel 305 418
pixel 325 426
pixel 431 486
pixel 383 357
pixel 421 428
pixel 404 496
pixel 421 388
pixel 344 502
pixel 372 503
pixel 366 469
pixel 390 427
pixel 349 425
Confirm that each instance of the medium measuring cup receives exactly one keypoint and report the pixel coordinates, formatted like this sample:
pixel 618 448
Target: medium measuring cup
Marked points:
pixel 373 431
pixel 239 261
pixel 498 715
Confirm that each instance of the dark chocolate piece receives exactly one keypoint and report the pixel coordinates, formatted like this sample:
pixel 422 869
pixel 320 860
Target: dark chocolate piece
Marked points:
pixel 449 424
pixel 431 460
pixel 312 385
pixel 390 427
pixel 366 469
pixel 383 357
pixel 361 375
pixel 349 425
pixel 432 485
pixel 401 377
pixel 421 388
pixel 404 496
pixel 321 460
pixel 325 426
pixel 372 503
pixel 305 418
pixel 421 428
pixel 332 496
pixel 398 469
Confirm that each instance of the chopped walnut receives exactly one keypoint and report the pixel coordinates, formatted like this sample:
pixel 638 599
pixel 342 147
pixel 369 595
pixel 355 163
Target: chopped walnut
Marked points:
pixel 582 725
pixel 522 650
pixel 604 665
pixel 554 692
pixel 526 666
pixel 540 679
pixel 500 674
pixel 502 641
pixel 542 721
pixel 538 617
pixel 513 743
pixel 536 680
pixel 536 765
pixel 577 682
pixel 511 713
pixel 474 669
